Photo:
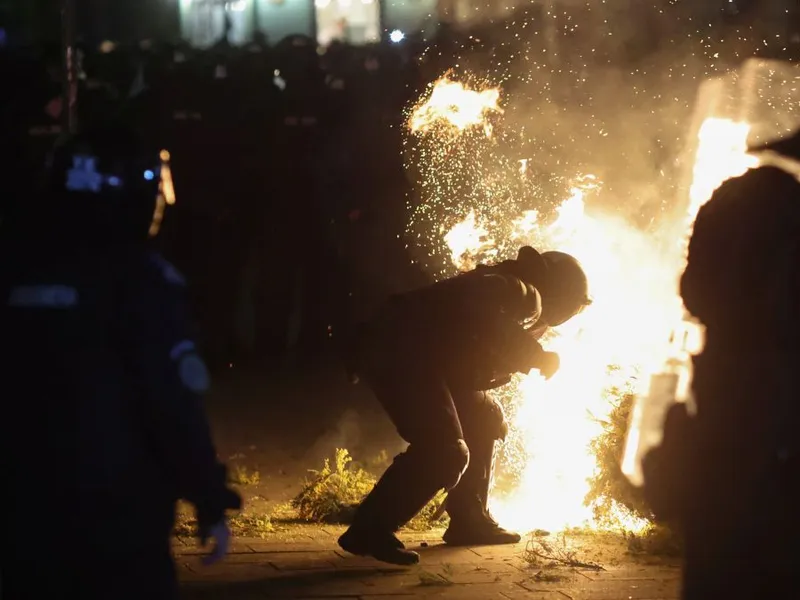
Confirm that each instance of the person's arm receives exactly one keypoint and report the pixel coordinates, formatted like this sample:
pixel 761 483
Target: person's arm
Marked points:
pixel 171 379
pixel 504 301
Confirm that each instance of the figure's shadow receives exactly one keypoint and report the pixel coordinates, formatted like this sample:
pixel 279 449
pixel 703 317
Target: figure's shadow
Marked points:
pixel 279 586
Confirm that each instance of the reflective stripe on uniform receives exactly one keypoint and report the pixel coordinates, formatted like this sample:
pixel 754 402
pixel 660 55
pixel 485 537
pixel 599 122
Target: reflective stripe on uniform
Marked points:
pixel 43 296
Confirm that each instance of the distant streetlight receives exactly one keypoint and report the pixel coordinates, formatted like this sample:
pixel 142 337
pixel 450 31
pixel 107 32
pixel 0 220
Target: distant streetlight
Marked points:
pixel 397 36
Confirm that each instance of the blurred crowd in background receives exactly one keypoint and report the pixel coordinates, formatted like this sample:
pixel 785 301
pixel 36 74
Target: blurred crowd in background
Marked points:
pixel 287 161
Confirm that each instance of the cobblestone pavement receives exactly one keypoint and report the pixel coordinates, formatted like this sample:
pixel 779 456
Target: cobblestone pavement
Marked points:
pixel 308 565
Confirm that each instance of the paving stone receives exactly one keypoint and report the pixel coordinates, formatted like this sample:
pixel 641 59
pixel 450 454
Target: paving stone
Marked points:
pixel 254 558
pixel 343 560
pixel 471 574
pixel 515 552
pixel 237 547
pixel 233 573
pixel 633 573
pixel 626 590
pixel 312 567
pixel 328 589
pixel 303 561
pixel 475 591
pixel 443 554
pixel 408 582
pixel 331 532
pixel 325 584
pixel 523 594
pixel 261 546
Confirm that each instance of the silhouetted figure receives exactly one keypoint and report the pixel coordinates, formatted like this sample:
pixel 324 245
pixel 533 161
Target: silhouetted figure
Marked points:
pixel 729 475
pixel 429 356
pixel 104 383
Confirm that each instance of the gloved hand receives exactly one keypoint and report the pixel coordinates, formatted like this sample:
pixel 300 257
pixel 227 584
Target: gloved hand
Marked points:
pixel 548 364
pixel 220 533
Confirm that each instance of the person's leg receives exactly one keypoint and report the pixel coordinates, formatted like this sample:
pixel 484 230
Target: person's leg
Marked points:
pixel 471 523
pixel 421 407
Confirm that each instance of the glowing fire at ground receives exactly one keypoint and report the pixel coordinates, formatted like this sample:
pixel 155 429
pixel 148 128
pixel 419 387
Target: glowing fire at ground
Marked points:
pixel 635 308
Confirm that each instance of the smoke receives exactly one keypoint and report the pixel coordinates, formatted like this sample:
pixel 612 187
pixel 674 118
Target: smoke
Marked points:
pixel 365 434
pixel 344 433
pixel 603 88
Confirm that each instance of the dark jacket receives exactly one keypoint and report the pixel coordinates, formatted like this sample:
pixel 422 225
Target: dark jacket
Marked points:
pixel 104 425
pixel 468 328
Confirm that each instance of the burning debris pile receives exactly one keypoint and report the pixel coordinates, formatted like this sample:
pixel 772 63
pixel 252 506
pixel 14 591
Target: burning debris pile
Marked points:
pixel 476 203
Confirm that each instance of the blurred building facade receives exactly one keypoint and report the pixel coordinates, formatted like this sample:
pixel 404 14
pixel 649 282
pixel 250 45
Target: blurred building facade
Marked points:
pixel 206 22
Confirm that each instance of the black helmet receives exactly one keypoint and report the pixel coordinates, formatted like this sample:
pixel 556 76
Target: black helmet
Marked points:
pixel 106 181
pixel 530 266
pixel 565 290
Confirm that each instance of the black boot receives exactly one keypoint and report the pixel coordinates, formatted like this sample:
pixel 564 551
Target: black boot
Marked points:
pixel 471 524
pixel 398 496
pixel 478 530
pixel 384 547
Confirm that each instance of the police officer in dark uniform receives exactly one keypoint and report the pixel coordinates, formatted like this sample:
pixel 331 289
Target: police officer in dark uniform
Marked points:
pixel 429 356
pixel 728 476
pixel 103 427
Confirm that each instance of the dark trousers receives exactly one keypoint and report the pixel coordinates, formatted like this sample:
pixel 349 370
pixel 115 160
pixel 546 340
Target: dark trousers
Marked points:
pixel 440 424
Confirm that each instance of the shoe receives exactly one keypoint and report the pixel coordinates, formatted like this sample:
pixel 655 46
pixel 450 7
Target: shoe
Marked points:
pixel 383 547
pixel 480 532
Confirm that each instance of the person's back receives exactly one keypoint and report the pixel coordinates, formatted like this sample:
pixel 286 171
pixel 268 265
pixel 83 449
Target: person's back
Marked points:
pixel 734 463
pixel 104 383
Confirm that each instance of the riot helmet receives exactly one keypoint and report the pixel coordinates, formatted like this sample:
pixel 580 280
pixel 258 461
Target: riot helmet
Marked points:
pixel 109 184
pixel 565 290
pixel 529 266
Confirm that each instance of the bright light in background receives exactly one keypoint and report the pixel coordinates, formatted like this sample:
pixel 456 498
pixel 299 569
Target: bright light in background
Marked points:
pixel 397 36
pixel 322 3
pixel 238 6
pixel 345 3
pixel 367 1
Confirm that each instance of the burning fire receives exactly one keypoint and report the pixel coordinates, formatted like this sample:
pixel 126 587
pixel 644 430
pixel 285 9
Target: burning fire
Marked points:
pixel 636 306
pixel 453 104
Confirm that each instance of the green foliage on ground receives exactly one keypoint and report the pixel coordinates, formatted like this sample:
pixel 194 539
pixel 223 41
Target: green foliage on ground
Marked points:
pixel 611 495
pixel 246 524
pixel 240 475
pixel 331 494
pixel 609 489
